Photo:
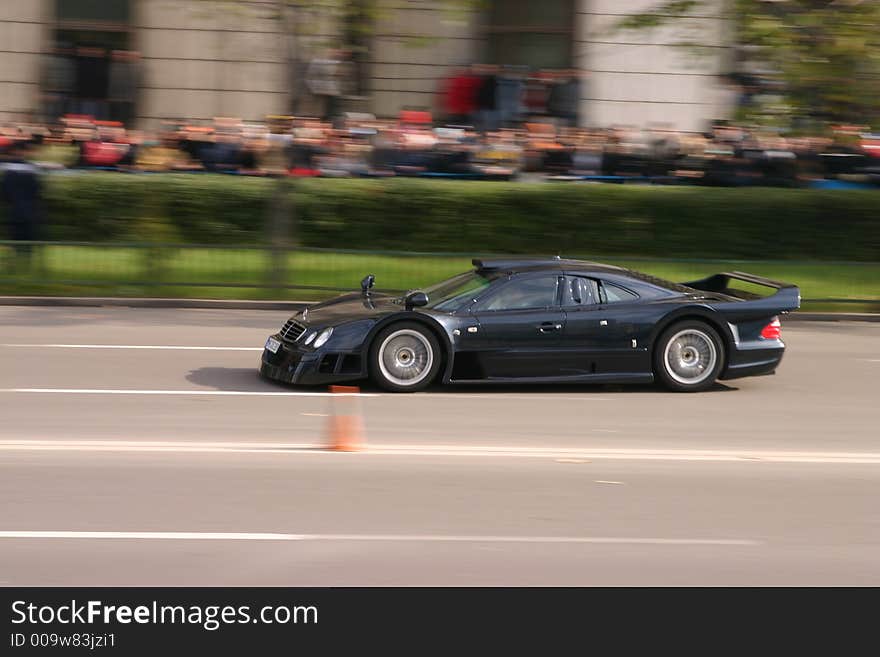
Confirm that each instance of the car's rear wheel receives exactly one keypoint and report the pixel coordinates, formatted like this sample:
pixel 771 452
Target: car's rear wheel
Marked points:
pixel 688 357
pixel 404 357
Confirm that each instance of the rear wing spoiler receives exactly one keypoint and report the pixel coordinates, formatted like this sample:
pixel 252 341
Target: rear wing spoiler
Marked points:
pixel 787 295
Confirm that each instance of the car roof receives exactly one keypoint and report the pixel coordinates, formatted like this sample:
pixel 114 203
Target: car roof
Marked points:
pixel 514 265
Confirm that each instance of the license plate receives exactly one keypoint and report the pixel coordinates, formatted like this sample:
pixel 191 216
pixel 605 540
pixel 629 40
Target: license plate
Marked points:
pixel 272 345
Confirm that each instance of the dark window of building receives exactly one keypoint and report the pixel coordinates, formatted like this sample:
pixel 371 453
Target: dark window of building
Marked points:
pixel 91 67
pixel 109 11
pixel 530 33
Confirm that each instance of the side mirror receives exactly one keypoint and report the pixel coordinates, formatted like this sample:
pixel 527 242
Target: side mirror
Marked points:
pixel 367 283
pixel 415 300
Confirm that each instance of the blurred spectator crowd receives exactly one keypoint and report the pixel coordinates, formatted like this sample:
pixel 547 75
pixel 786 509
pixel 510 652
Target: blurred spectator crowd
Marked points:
pixel 469 144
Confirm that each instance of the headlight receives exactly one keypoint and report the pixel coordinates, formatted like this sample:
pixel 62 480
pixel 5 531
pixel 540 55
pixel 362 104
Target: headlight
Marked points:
pixel 323 337
pixel 310 337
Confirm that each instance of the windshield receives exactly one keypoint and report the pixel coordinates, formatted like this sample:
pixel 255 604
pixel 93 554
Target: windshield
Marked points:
pixel 451 294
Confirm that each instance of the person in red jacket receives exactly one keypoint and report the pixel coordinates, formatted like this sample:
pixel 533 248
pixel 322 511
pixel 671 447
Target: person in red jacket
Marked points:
pixel 460 96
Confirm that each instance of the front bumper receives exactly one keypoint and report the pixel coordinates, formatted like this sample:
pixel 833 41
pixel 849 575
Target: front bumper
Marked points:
pixel 313 367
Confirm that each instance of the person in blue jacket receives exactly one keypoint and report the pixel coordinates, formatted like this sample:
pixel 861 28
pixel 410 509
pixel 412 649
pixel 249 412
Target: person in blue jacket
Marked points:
pixel 21 192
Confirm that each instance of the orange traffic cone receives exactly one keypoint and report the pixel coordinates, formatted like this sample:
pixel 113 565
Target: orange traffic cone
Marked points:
pixel 345 426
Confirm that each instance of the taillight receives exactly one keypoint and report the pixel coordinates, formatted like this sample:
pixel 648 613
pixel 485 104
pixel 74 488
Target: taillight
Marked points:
pixel 773 330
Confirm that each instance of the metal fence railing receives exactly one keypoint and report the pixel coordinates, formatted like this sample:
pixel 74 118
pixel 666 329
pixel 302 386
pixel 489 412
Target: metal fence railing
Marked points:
pixel 250 271
pixel 128 266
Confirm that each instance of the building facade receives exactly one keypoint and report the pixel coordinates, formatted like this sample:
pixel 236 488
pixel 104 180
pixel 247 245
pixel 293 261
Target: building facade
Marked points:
pixel 198 59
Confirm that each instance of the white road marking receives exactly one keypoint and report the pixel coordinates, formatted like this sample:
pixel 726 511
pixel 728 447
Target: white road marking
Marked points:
pixel 603 481
pixel 171 536
pixel 129 346
pixel 550 395
pixel 252 393
pixel 415 538
pixel 568 453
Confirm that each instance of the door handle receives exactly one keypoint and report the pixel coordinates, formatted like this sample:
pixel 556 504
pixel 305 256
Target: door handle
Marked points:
pixel 549 327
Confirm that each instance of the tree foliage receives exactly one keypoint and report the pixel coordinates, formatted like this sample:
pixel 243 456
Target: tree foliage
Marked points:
pixel 824 53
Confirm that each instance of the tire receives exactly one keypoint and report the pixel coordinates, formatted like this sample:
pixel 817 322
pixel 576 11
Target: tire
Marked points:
pixel 404 357
pixel 688 357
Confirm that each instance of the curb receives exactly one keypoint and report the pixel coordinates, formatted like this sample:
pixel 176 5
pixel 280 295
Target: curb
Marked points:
pixel 231 304
pixel 832 317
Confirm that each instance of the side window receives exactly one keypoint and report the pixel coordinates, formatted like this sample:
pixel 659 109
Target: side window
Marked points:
pixel 579 291
pixel 522 294
pixel 610 293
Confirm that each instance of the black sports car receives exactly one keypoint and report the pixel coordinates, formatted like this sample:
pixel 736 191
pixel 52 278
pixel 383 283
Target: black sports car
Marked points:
pixel 534 321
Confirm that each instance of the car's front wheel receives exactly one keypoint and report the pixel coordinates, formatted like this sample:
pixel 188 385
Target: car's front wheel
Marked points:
pixel 689 357
pixel 404 357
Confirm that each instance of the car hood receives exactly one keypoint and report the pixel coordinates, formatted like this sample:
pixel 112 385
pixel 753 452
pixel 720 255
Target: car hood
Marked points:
pixel 349 308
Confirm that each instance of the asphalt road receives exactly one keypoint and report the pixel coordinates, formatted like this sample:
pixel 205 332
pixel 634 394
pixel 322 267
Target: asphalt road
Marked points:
pixel 126 461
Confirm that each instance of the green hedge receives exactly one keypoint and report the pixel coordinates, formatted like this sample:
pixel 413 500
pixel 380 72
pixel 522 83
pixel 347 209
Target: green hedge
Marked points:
pixel 190 208
pixel 468 217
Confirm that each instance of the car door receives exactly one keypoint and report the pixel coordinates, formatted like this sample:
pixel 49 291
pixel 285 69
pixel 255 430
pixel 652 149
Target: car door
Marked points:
pixel 517 328
pixel 621 314
pixel 582 337
pixel 600 335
